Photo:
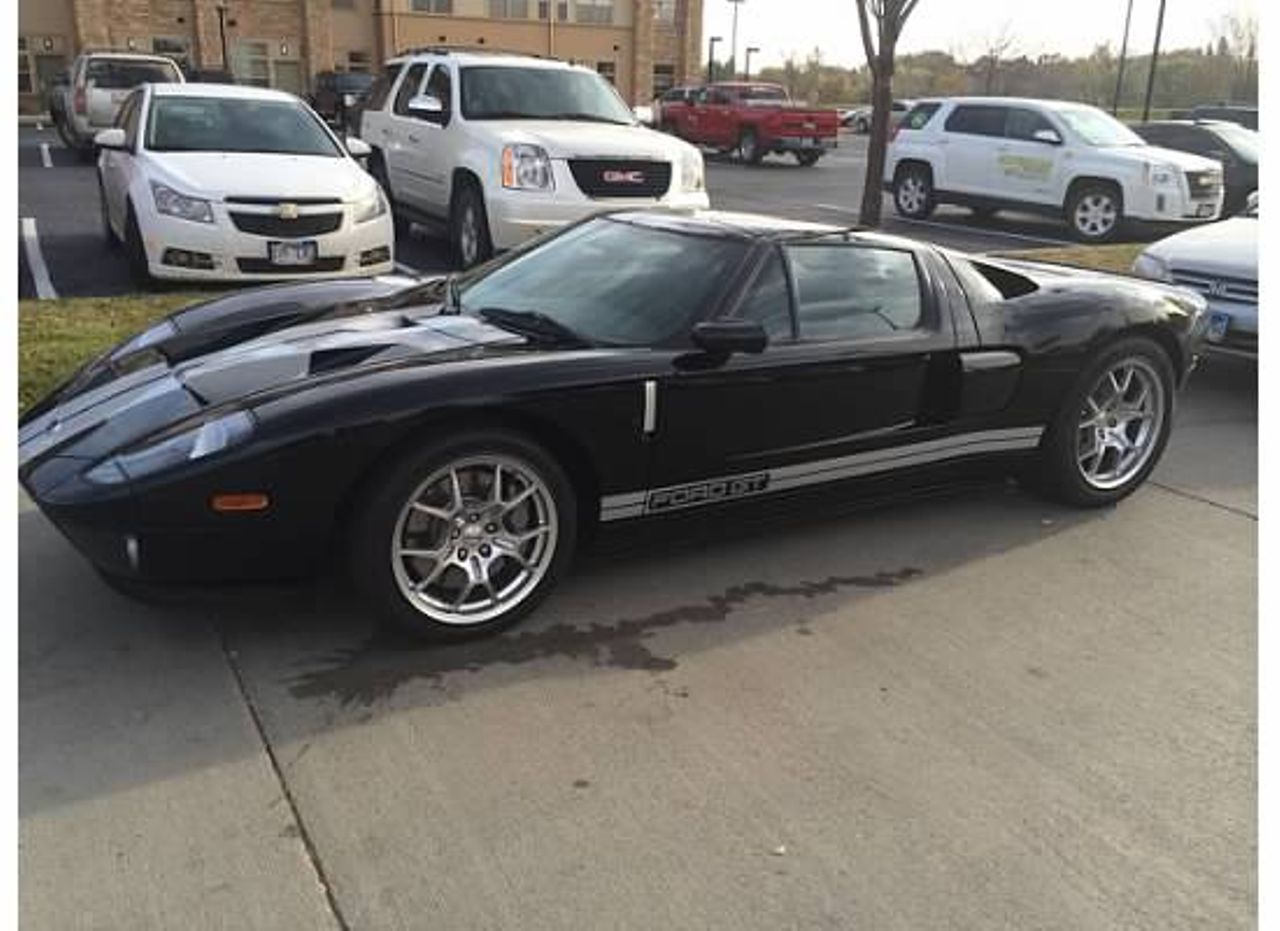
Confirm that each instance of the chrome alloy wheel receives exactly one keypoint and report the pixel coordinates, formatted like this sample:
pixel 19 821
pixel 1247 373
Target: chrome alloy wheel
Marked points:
pixel 912 195
pixel 474 539
pixel 1096 215
pixel 1120 423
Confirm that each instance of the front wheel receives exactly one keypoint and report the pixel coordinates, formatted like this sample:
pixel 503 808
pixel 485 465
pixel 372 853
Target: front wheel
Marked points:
pixel 113 241
pixel 913 192
pixel 1095 212
pixel 749 147
pixel 135 251
pixel 469 227
pixel 464 537
pixel 1111 429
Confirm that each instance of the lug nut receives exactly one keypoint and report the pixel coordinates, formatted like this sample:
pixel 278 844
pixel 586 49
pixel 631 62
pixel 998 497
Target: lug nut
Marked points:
pixel 462 553
pixel 484 551
pixel 490 528
pixel 472 518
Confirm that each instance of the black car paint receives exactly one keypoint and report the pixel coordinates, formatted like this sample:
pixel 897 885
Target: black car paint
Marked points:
pixel 1239 172
pixel 723 426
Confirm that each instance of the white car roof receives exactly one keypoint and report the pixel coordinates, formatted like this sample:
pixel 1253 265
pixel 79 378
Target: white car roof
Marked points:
pixel 129 56
pixel 225 91
pixel 1010 102
pixel 492 59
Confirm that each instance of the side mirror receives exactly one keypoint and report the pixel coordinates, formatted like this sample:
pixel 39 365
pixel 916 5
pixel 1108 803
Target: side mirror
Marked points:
pixel 358 148
pixel 348 100
pixel 725 337
pixel 113 138
pixel 1047 136
pixel 427 106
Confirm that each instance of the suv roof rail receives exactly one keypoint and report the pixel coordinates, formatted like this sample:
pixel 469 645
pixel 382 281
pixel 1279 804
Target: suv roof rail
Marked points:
pixel 470 50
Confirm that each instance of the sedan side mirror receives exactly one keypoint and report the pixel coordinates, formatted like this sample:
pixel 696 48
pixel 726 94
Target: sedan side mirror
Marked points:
pixel 724 337
pixel 1047 136
pixel 348 100
pixel 113 138
pixel 358 148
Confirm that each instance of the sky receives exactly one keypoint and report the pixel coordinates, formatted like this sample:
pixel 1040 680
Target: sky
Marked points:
pixel 963 27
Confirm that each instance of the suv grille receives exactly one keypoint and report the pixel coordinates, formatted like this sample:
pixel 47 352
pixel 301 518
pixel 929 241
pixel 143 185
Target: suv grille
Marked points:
pixel 1204 184
pixel 611 177
pixel 265 266
pixel 266 224
pixel 1239 290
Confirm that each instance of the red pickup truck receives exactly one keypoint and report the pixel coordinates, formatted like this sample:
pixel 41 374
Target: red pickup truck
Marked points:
pixel 753 118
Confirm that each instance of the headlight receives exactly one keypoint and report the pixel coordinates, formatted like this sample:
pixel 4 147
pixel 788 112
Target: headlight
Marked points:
pixel 1162 175
pixel 1151 266
pixel 371 208
pixel 526 167
pixel 170 202
pixel 692 172
pixel 202 440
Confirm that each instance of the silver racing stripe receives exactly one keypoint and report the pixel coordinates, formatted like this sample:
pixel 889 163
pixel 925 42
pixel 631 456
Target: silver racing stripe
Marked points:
pixel 819 471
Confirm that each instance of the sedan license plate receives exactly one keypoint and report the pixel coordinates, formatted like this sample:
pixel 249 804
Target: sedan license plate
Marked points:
pixel 1218 324
pixel 292 253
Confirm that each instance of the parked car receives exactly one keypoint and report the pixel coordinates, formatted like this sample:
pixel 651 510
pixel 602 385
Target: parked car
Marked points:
pixel 210 76
pixel 755 119
pixel 99 82
pixel 1220 261
pixel 55 97
pixel 215 182
pixel 1229 144
pixel 452 439
pixel 337 94
pixel 497 148
pixel 1049 156
pixel 859 118
pixel 1245 116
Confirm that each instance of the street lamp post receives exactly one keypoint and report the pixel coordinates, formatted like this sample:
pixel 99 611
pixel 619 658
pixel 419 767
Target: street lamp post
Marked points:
pixel 733 44
pixel 1155 57
pixel 1124 52
pixel 711 59
pixel 747 68
pixel 222 34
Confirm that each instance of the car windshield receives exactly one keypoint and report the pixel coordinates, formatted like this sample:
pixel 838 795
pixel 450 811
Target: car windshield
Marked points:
pixel 501 93
pixel 351 82
pixel 119 74
pixel 225 124
pixel 610 281
pixel 1244 142
pixel 1098 128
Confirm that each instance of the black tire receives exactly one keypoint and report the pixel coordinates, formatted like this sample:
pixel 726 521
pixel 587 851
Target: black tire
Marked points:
pixel 808 159
pixel 377 525
pixel 862 126
pixel 469 226
pixel 378 170
pixel 913 195
pixel 749 147
pixel 1056 472
pixel 64 133
pixel 1094 193
pixel 135 251
pixel 113 241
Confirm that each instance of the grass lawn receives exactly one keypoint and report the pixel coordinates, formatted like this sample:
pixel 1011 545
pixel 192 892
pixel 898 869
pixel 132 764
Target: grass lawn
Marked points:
pixel 56 337
pixel 1116 257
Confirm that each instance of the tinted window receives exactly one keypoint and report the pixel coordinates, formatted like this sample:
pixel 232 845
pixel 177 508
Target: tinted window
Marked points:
pixel 1024 124
pixel 382 87
pixel 977 121
pixel 674 94
pixel 409 89
pixel 846 292
pixel 127 119
pixel 614 282
pixel 920 115
pixel 112 74
pixel 351 82
pixel 493 93
pixel 212 124
pixel 1244 142
pixel 768 301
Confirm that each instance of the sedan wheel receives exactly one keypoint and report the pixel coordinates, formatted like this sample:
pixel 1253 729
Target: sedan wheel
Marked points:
pixel 1119 423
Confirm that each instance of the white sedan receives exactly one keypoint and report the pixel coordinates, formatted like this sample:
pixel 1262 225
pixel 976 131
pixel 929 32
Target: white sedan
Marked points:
pixel 219 182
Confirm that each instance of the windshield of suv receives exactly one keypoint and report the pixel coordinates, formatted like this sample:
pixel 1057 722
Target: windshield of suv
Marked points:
pixel 1244 142
pixel 1098 128
pixel 501 93
pixel 122 74
pixel 352 82
pixel 226 124
pixel 610 281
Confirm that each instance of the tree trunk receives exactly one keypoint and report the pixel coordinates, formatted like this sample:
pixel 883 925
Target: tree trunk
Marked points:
pixel 877 139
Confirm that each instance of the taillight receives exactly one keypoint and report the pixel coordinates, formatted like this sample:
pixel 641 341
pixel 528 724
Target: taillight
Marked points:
pixel 80 100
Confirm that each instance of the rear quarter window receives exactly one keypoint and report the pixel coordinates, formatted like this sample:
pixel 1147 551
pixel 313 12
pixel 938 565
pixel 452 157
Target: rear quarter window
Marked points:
pixel 920 115
pixel 985 284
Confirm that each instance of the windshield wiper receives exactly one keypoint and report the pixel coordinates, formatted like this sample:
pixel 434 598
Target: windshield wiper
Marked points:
pixel 586 118
pixel 534 324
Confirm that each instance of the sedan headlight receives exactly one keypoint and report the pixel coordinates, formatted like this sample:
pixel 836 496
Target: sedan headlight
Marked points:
pixel 199 441
pixel 1151 266
pixel 692 171
pixel 171 203
pixel 526 167
pixel 1162 175
pixel 370 208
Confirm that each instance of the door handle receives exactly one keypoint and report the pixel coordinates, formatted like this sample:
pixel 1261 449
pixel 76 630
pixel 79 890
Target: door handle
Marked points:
pixel 385 131
pixel 413 138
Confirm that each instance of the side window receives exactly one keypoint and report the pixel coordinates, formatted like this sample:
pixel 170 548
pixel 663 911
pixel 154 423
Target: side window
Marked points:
pixel 976 120
pixel 847 292
pixel 920 115
pixel 129 118
pixel 408 89
pixel 377 98
pixel 440 85
pixel 1024 124
pixel 768 302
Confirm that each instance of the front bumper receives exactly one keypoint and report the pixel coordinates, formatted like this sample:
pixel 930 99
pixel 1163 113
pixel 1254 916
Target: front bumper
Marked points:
pixel 1173 204
pixel 1232 326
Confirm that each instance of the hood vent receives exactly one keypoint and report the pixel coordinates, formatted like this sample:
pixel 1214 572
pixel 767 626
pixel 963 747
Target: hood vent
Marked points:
pixel 330 360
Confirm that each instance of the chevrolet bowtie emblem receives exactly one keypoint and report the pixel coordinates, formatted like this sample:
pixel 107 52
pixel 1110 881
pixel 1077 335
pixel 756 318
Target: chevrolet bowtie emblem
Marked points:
pixel 288 211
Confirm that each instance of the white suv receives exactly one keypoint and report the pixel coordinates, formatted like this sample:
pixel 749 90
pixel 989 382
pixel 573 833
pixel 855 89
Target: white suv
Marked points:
pixel 499 148
pixel 1050 156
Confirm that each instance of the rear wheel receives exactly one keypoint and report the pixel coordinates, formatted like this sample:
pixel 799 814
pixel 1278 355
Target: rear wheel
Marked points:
pixel 749 147
pixel 913 192
pixel 1112 427
pixel 808 159
pixel 469 226
pixel 464 537
pixel 1095 212
pixel 863 125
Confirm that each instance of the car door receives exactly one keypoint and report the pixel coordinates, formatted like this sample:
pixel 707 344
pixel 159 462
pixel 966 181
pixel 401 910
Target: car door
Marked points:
pixel 858 339
pixel 400 138
pixel 1030 165
pixel 970 138
pixel 432 158
pixel 117 167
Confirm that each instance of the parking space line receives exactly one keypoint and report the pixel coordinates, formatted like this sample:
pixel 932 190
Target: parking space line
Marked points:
pixel 45 157
pixel 35 261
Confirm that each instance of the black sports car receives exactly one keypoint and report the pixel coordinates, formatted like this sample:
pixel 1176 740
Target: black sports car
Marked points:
pixel 454 437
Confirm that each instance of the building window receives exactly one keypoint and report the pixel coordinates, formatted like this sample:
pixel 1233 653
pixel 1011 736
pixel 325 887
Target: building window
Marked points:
pixel 358 61
pixel 664 78
pixel 267 64
pixel 664 11
pixel 608 70
pixel 562 9
pixel 593 11
pixel 25 85
pixel 509 9
pixel 440 7
pixel 178 49
pixel 344 4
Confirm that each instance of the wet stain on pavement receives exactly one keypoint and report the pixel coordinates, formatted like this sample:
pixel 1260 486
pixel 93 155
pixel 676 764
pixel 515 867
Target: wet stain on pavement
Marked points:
pixel 369 672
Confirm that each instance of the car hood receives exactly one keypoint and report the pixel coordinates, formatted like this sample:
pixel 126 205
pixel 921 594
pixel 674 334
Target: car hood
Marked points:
pixel 1229 247
pixel 217 175
pixel 1155 155
pixel 563 139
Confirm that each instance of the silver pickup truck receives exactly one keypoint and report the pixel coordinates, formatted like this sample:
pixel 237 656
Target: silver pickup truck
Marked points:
pixel 98 84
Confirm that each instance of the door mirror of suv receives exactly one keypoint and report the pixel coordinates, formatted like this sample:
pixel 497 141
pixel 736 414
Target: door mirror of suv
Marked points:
pixel 113 138
pixel 348 100
pixel 1048 136
pixel 358 148
pixel 724 337
pixel 427 107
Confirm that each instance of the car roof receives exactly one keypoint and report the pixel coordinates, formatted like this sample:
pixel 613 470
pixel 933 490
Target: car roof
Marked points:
pixel 753 226
pixel 496 58
pixel 232 91
pixel 1010 102
pixel 130 56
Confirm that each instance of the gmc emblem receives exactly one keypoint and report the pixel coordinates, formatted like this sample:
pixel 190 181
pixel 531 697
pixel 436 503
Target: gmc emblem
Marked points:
pixel 614 176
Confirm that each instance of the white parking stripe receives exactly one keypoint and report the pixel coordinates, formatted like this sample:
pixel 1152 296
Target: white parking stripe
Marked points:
pixel 45 157
pixel 957 227
pixel 35 261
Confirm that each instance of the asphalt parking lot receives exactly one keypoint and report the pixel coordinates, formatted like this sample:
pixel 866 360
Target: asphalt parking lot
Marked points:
pixel 971 710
